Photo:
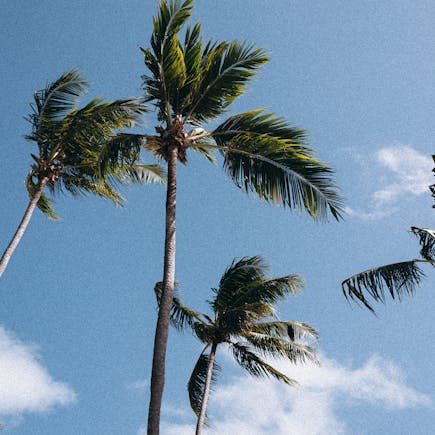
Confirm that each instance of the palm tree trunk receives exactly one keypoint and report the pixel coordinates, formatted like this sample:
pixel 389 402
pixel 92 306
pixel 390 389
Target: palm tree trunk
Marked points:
pixel 22 226
pixel 206 392
pixel 162 328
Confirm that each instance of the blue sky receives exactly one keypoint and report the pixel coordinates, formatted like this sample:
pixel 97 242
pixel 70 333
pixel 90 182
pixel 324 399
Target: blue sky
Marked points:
pixel 76 305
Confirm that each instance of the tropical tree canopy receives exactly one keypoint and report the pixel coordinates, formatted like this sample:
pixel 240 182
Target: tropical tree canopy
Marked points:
pixel 71 141
pixel 243 318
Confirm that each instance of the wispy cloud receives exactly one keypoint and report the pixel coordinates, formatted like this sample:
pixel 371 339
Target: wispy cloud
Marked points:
pixel 25 384
pixel 249 406
pixel 402 172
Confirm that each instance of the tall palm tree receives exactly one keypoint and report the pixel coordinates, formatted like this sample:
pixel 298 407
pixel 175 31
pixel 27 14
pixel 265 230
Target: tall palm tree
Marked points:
pixel 70 142
pixel 244 320
pixel 190 83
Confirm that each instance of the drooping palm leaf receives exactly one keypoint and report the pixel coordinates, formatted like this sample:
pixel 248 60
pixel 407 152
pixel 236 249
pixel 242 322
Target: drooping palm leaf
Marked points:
pixel 427 242
pixel 274 347
pixel 397 279
pixel 44 204
pixel 255 366
pixel 289 329
pixel 265 155
pixel 195 386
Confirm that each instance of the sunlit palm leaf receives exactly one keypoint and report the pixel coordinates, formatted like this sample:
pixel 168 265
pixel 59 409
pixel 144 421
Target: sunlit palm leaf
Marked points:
pixel 289 329
pixel 227 68
pixel 195 386
pixel 274 347
pixel 397 279
pixel 427 242
pixel 255 366
pixel 265 155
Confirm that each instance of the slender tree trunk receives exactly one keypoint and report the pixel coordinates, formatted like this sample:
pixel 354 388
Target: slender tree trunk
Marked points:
pixel 162 328
pixel 206 392
pixel 22 226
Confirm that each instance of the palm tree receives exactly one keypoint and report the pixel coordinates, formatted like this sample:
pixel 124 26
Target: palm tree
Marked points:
pixel 70 142
pixel 397 279
pixel 244 320
pixel 191 83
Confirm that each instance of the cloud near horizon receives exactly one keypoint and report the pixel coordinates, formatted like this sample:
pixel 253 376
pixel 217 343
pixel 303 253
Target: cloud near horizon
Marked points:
pixel 249 406
pixel 409 173
pixel 25 384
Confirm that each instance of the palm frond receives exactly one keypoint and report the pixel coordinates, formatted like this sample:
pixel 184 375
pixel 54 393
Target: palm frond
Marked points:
pixel 265 155
pixel 56 100
pixel 166 59
pixel 255 366
pixel 427 242
pixel 147 173
pixel 181 316
pixel 204 149
pixel 195 386
pixel 44 204
pixel 239 274
pixel 398 279
pixel 289 329
pixel 270 346
pixel 227 68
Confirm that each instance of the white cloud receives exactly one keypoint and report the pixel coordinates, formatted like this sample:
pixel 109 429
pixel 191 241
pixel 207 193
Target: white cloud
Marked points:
pixel 402 172
pixel 249 406
pixel 25 385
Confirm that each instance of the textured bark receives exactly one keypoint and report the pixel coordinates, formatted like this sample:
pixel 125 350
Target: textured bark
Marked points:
pixel 162 328
pixel 21 227
pixel 206 392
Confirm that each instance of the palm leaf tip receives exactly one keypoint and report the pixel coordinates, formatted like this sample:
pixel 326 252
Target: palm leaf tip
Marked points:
pixel 398 279
pixel 263 154
pixel 427 242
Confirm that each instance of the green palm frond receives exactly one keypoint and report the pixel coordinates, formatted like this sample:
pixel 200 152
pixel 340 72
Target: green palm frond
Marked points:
pixel 265 155
pixel 166 59
pixel 397 279
pixel 427 242
pixel 275 347
pixel 227 68
pixel 203 148
pixel 195 386
pixel 44 204
pixel 181 316
pixel 288 329
pixel 239 274
pixel 56 100
pixel 255 366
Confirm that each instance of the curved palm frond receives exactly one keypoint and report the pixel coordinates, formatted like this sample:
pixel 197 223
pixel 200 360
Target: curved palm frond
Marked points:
pixel 238 275
pixel 274 347
pixel 265 155
pixel 397 279
pixel 427 242
pixel 255 366
pixel 195 386
pixel 181 316
pixel 166 59
pixel 289 329
pixel 226 70
pixel 55 101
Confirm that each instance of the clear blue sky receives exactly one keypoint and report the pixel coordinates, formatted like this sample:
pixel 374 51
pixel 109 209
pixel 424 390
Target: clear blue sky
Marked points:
pixel 77 311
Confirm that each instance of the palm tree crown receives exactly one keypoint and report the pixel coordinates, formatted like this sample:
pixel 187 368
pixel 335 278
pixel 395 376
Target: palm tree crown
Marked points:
pixel 71 145
pixel 243 318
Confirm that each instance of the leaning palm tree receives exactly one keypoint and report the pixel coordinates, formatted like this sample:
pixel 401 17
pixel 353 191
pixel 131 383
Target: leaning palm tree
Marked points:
pixel 243 318
pixel 191 83
pixel 69 144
